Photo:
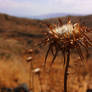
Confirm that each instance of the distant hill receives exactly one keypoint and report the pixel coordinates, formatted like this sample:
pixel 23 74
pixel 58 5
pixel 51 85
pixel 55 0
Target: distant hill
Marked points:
pixel 31 29
pixel 53 15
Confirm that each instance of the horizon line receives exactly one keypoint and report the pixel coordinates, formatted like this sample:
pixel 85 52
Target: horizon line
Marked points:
pixel 35 17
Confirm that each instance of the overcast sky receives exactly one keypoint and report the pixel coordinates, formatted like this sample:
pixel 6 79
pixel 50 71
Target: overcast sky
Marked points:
pixel 41 7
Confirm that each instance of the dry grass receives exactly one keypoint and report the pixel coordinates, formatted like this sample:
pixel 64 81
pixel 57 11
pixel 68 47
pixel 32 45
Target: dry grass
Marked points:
pixel 16 36
pixel 13 73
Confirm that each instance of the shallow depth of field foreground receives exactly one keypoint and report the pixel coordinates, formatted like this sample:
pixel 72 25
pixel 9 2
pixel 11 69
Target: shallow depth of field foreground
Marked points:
pixel 21 59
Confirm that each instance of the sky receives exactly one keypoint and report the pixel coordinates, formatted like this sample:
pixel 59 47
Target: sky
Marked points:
pixel 42 7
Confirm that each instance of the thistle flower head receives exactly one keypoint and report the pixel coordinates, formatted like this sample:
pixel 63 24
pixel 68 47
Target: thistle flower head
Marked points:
pixel 65 37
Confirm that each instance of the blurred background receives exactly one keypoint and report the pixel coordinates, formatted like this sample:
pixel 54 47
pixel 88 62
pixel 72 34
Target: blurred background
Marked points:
pixel 22 27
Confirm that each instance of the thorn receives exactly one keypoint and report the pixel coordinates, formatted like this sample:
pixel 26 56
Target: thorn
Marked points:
pixel 69 20
pixel 48 25
pixel 60 21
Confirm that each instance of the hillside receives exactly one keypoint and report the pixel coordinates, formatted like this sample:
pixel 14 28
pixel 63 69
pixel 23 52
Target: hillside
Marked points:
pixel 29 29
pixel 17 35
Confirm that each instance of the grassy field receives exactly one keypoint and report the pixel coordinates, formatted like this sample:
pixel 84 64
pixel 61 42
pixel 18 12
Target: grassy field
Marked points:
pixel 17 35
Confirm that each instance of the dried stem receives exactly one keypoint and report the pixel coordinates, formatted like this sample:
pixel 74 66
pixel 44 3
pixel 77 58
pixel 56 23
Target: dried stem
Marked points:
pixel 31 82
pixel 66 70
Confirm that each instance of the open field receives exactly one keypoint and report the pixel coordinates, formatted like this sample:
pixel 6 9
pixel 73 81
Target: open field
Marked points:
pixel 17 35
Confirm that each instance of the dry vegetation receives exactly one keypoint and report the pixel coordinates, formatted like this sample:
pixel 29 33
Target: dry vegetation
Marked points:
pixel 17 35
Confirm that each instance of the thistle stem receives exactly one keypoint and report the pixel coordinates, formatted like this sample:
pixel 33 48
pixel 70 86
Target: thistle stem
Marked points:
pixel 66 70
pixel 31 82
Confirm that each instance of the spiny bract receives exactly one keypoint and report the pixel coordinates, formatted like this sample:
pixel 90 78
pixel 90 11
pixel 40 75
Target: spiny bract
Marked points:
pixel 67 37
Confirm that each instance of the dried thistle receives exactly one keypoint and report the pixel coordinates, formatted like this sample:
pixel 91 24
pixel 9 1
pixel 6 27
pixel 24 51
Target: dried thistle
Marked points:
pixel 64 38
